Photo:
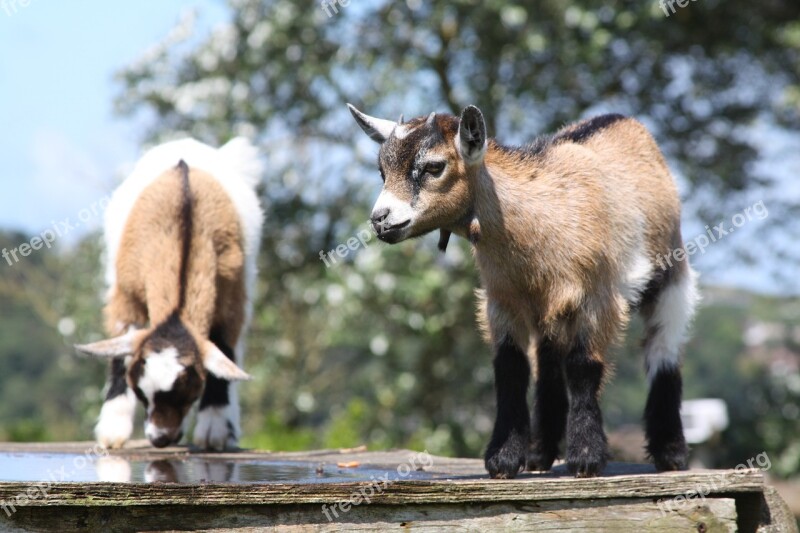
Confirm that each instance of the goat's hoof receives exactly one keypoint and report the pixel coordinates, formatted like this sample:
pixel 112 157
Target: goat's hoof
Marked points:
pixel 586 461
pixel 671 457
pixel 539 460
pixel 214 431
pixel 507 460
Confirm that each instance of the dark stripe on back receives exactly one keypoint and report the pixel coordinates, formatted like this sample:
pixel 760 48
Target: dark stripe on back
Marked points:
pixel 587 128
pixel 186 231
pixel 579 133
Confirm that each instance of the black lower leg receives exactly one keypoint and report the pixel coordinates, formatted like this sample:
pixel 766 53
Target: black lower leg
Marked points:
pixel 216 391
pixel 665 441
pixel 117 384
pixel 507 450
pixel 587 448
pixel 549 408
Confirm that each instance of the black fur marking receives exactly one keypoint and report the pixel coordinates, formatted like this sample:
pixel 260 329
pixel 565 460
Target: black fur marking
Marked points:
pixel 587 448
pixel 506 454
pixel 581 133
pixel 117 384
pixel 444 238
pixel 185 223
pixel 135 373
pixel 171 332
pixel 588 128
pixel 216 392
pixel 549 408
pixel 666 444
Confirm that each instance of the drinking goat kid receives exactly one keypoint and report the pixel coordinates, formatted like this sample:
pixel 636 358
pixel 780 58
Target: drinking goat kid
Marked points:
pixel 181 234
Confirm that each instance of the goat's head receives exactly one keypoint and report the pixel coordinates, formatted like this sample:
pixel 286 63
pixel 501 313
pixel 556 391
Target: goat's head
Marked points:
pixel 166 367
pixel 426 165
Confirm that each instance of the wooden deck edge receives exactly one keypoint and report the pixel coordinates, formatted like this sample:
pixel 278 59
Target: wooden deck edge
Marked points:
pixel 671 486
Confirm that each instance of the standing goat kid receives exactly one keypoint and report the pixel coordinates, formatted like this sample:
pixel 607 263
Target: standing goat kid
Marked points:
pixel 567 233
pixel 182 236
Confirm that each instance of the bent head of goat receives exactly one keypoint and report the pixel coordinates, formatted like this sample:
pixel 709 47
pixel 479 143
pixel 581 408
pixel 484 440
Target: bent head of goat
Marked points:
pixel 426 165
pixel 166 367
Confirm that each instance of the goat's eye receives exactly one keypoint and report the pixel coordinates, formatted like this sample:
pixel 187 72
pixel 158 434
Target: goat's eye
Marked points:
pixel 434 168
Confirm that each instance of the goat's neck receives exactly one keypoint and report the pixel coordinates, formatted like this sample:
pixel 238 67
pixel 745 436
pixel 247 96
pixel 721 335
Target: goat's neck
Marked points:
pixel 484 223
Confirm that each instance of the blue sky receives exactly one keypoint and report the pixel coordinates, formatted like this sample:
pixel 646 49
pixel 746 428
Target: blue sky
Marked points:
pixel 61 146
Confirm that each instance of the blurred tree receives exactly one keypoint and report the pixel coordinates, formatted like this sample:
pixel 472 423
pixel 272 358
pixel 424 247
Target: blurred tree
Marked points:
pixel 48 300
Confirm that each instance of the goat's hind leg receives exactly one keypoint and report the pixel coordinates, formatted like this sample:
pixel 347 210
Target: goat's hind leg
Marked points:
pixel 549 407
pixel 666 320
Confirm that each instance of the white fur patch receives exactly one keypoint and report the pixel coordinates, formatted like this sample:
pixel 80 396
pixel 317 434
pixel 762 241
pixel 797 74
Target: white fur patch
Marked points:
pixel 401 132
pixel 673 313
pixel 153 432
pixel 636 278
pixel 115 424
pixel 399 210
pixel 212 432
pixel 161 369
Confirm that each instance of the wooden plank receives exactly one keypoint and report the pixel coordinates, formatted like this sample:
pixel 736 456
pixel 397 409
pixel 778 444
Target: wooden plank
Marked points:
pixel 617 515
pixel 450 493
pixel 526 488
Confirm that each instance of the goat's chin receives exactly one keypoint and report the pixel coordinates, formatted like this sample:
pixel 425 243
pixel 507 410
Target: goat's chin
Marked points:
pixel 392 237
pixel 397 235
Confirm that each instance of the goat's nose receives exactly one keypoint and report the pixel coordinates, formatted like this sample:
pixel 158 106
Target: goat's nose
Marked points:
pixel 162 441
pixel 379 214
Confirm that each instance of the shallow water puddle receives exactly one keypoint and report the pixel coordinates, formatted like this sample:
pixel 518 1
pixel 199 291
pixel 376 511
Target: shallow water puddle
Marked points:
pixel 66 467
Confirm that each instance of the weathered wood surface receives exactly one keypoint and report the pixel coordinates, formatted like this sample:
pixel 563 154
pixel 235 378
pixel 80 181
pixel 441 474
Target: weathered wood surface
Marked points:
pixel 458 495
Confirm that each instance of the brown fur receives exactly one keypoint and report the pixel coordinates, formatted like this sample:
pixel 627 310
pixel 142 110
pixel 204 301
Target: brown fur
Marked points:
pixel 149 259
pixel 551 230
pixel 567 235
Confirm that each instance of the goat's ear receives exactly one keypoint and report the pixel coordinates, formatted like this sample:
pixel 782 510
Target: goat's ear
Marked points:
pixel 378 129
pixel 217 363
pixel 472 135
pixel 121 346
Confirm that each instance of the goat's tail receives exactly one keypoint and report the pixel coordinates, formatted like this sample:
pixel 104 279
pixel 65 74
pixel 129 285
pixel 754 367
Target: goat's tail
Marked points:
pixel 242 158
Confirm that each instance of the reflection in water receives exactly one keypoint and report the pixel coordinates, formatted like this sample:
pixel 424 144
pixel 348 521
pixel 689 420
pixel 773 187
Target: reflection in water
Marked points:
pixel 35 467
pixel 114 469
pixel 164 471
pixel 118 470
pixel 196 470
pixel 167 471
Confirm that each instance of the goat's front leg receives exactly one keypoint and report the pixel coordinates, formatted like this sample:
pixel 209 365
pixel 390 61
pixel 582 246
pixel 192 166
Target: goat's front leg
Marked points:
pixel 549 408
pixel 217 426
pixel 587 448
pixel 506 454
pixel 115 425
